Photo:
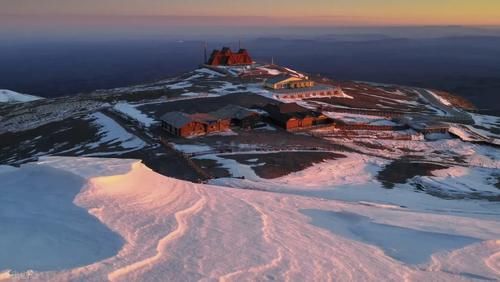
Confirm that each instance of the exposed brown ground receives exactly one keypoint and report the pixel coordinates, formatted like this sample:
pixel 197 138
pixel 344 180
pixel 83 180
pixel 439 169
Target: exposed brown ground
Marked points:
pixel 400 171
pixel 275 165
pixel 262 139
pixel 54 138
pixel 212 167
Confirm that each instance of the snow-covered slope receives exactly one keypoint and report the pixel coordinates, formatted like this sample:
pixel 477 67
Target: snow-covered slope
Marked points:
pixel 8 96
pixel 108 219
pixel 179 231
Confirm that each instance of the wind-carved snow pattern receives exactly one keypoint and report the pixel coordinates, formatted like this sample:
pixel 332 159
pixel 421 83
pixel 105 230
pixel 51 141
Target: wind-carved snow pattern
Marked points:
pixel 177 230
pixel 181 218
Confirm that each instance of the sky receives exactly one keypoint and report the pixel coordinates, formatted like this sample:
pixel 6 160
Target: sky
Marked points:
pixel 35 17
pixel 362 12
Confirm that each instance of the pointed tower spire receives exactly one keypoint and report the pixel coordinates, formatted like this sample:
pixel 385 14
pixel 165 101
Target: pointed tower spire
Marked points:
pixel 239 44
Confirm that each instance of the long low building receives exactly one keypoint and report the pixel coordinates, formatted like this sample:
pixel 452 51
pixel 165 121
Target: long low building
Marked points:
pixel 239 116
pixel 292 116
pixel 288 82
pixel 287 87
pixel 426 125
pixel 316 91
pixel 186 125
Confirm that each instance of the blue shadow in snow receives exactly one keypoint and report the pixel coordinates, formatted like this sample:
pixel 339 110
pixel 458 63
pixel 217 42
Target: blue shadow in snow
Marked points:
pixel 42 229
pixel 404 244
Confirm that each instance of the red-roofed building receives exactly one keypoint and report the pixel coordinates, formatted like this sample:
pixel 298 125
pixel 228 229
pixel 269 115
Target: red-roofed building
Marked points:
pixel 226 57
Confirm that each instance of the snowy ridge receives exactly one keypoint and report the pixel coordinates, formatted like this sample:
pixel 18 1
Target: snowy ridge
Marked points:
pixel 8 96
pixel 334 220
pixel 176 230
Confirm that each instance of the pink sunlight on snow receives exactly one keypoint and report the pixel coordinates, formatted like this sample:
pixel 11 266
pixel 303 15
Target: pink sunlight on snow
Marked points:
pixel 173 228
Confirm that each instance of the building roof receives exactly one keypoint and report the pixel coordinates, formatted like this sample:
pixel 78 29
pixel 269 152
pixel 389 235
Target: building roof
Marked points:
pixel 286 111
pixel 233 111
pixel 292 108
pixel 280 78
pixel 180 119
pixel 227 57
pixel 203 117
pixel 176 119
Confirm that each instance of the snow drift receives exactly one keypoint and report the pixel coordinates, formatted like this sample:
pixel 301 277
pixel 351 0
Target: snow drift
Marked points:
pixel 179 231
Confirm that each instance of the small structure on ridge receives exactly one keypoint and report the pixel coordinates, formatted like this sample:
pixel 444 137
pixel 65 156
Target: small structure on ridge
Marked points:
pixel 226 57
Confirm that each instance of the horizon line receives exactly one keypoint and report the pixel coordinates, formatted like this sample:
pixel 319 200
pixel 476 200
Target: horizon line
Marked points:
pixel 293 21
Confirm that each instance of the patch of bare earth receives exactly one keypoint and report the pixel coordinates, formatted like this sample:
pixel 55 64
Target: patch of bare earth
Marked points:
pixel 274 165
pixel 212 167
pixel 402 170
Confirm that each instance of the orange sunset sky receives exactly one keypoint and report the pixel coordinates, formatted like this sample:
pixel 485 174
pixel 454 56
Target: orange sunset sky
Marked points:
pixel 315 12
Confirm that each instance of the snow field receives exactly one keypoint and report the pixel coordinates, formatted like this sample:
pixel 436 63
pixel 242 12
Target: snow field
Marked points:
pixel 112 132
pixel 182 231
pixel 134 113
